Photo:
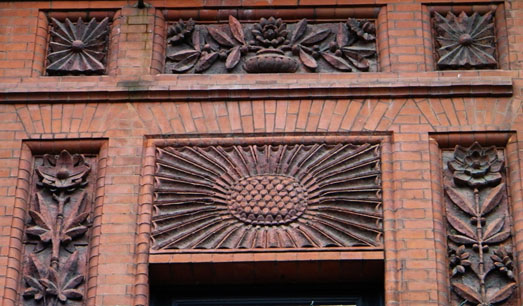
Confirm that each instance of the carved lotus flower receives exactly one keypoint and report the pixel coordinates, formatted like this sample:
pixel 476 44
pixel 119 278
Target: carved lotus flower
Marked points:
pixel 77 47
pixel 179 30
pixel 270 32
pixel 476 166
pixel 465 41
pixel 64 171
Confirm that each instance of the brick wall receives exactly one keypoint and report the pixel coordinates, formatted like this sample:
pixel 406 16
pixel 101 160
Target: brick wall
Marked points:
pixel 406 100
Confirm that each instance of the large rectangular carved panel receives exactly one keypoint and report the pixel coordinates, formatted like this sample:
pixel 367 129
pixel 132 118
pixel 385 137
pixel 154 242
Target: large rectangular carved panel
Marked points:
pixel 57 230
pixel 479 230
pixel 271 46
pixel 267 195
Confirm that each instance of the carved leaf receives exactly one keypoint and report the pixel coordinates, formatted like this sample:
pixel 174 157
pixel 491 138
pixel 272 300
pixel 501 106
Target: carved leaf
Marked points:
pixel 467 293
pixel 73 294
pixel 301 28
pixel 336 62
pixel 187 63
pixel 206 61
pixel 462 239
pixel 461 227
pixel 498 237
pixel 360 63
pixel 40 220
pixel 360 51
pixel 236 29
pixel 342 36
pixel 74 282
pixel 458 199
pixel 197 40
pixel 234 58
pixel 494 227
pixel 74 232
pixel 181 55
pixel 316 37
pixel 501 294
pixel 221 37
pixel 492 199
pixel 33 282
pixel 308 60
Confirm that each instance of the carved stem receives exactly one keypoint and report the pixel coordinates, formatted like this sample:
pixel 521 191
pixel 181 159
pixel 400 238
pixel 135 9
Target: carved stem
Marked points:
pixel 61 199
pixel 479 232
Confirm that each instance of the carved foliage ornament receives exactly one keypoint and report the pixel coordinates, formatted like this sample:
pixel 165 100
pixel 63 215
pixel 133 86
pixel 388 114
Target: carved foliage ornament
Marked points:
pixel 480 256
pixel 267 196
pixel 465 41
pixel 271 46
pixel 77 48
pixel 55 268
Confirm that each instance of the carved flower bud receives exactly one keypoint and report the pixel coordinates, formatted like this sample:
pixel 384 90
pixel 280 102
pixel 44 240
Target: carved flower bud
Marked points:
pixel 333 46
pixel 179 30
pixel 223 55
pixel 502 259
pixel 295 50
pixel 338 52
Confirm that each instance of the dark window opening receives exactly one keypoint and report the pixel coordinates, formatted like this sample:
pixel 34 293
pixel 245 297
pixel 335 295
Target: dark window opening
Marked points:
pixel 292 283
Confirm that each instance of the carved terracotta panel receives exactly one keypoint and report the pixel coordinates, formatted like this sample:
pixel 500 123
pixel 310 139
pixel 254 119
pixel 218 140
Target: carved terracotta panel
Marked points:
pixel 271 46
pixel 479 229
pixel 77 47
pixel 272 195
pixel 465 42
pixel 57 230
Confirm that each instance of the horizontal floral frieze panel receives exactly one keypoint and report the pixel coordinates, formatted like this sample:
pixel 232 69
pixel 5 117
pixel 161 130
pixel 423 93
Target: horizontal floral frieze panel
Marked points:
pixel 271 46
pixel 267 196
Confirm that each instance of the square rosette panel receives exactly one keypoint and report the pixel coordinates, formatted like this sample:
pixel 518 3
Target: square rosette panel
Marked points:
pixel 267 195
pixel 78 47
pixel 465 40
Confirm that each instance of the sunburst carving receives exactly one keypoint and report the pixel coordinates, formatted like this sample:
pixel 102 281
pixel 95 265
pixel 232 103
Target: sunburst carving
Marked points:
pixel 77 48
pixel 465 41
pixel 267 196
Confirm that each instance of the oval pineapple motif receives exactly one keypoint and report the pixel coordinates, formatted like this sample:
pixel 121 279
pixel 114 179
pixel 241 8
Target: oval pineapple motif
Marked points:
pixel 267 200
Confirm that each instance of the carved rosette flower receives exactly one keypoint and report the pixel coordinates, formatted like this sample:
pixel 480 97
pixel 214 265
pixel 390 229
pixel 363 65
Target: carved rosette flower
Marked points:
pixel 465 41
pixel 267 196
pixel 180 30
pixel 459 260
pixel 476 166
pixel 270 33
pixel 77 48
pixel 64 171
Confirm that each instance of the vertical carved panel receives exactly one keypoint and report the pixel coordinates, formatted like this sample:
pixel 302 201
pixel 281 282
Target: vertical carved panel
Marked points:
pixel 267 196
pixel 479 227
pixel 57 230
